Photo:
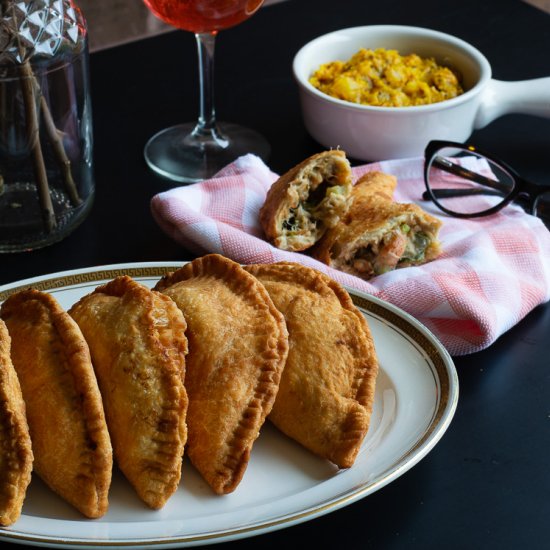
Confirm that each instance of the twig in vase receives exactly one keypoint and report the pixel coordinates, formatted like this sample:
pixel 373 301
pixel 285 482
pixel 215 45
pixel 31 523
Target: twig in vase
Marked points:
pixel 54 135
pixel 28 87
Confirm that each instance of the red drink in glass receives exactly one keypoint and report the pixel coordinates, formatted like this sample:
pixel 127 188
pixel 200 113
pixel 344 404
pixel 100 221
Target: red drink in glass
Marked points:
pixel 200 16
pixel 190 152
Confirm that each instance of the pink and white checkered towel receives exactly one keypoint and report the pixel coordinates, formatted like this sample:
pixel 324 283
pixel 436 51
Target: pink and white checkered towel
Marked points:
pixel 493 270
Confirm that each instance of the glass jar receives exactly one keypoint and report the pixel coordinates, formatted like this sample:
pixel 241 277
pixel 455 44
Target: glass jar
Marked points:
pixel 46 172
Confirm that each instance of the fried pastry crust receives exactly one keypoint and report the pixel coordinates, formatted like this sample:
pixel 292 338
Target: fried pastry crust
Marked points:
pixel 305 201
pixel 16 456
pixel 378 235
pixel 327 389
pixel 138 346
pixel 238 345
pixel 70 441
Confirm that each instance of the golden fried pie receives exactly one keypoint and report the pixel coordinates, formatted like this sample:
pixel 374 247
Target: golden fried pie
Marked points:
pixel 70 441
pixel 16 456
pixel 138 346
pixel 378 235
pixel 307 200
pixel 238 345
pixel 326 392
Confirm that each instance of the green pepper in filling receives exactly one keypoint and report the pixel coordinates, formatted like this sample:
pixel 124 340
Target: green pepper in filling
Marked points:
pixel 322 191
pixel 416 247
pixel 335 190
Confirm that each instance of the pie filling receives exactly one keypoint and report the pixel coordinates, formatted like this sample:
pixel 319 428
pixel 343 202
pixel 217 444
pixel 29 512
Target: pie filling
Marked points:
pixel 400 247
pixel 321 209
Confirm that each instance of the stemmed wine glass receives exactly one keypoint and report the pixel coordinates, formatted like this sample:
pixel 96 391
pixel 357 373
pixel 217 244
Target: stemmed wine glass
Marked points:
pixel 195 151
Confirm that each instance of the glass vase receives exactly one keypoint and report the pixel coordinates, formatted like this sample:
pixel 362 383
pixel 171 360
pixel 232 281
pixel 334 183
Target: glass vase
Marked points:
pixel 46 168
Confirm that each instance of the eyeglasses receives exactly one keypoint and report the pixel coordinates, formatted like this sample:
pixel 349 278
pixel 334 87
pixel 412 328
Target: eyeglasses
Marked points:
pixel 468 183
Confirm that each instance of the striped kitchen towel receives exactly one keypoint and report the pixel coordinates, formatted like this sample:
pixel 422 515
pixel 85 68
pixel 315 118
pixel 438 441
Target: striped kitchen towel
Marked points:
pixel 492 272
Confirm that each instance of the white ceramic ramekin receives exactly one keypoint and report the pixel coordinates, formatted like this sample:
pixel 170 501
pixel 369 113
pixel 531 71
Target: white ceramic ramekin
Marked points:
pixel 377 133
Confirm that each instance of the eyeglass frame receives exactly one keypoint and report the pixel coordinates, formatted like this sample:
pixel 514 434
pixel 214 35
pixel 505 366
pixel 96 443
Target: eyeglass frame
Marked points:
pixel 522 188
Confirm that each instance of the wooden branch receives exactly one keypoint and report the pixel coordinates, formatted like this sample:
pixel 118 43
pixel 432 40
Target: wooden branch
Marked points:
pixel 55 137
pixel 28 87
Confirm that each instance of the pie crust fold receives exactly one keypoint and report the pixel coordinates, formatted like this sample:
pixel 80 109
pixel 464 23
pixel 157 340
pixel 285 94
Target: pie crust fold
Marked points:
pixel 327 388
pixel 238 345
pixel 138 346
pixel 70 441
pixel 16 457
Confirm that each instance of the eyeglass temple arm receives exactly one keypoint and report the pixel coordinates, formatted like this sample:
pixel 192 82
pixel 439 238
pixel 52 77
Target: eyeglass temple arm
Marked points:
pixel 456 169
pixel 450 193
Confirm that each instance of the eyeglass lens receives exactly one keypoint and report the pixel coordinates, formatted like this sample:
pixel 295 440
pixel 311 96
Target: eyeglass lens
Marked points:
pixel 464 182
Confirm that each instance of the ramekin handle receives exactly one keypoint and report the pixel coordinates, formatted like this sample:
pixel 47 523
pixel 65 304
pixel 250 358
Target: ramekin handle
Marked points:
pixel 531 97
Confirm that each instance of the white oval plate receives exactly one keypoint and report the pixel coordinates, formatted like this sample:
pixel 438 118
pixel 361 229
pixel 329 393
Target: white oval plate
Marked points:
pixel 416 397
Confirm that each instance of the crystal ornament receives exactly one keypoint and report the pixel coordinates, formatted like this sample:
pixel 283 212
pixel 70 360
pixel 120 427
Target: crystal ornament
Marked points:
pixel 39 28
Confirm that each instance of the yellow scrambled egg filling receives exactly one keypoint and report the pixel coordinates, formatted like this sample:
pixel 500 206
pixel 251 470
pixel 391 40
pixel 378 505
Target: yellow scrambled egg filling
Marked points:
pixel 386 79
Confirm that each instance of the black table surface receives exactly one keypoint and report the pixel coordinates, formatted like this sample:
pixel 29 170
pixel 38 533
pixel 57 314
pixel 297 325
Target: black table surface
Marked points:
pixel 487 482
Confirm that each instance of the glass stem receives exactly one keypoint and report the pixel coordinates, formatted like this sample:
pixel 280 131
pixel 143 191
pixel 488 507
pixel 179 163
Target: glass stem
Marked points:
pixel 206 127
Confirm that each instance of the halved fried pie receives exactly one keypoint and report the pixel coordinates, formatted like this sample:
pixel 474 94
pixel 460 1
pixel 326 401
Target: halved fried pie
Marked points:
pixel 71 444
pixel 16 456
pixel 326 392
pixel 307 200
pixel 238 345
pixel 378 235
pixel 138 346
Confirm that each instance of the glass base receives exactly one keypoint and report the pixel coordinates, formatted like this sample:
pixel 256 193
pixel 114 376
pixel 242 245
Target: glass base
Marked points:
pixel 185 154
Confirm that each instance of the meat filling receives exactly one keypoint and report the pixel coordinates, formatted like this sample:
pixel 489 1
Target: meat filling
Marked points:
pixel 400 246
